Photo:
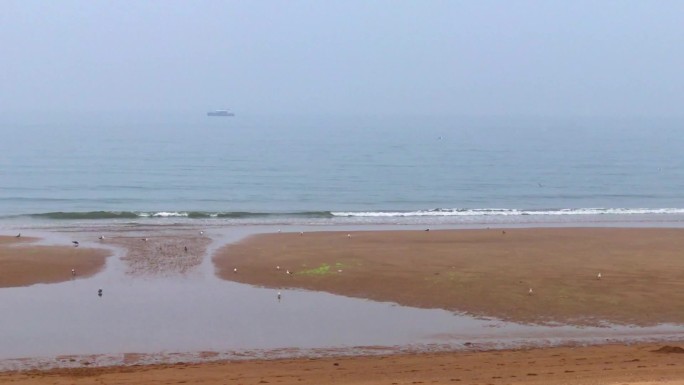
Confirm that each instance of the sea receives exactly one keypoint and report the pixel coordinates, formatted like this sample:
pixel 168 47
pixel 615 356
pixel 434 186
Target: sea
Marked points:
pixel 106 168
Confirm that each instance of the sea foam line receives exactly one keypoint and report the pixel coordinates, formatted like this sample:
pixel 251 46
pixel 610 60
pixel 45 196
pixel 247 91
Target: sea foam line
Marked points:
pixel 506 212
pixel 491 212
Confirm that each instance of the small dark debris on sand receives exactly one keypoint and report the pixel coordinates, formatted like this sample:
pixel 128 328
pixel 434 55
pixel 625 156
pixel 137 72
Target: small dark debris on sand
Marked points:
pixel 669 349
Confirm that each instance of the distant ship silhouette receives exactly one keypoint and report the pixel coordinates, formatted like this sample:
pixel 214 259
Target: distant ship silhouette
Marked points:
pixel 220 113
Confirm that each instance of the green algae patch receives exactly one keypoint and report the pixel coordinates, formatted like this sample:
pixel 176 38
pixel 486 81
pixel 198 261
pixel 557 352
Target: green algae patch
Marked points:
pixel 324 269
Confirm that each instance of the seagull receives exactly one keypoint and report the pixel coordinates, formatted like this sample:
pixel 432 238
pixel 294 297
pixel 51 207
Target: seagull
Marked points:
pixel 427 229
pixel 235 270
pixel 186 248
pixel 101 237
pixel 301 233
pixel 598 276
pixel 73 272
pixel 530 292
pixel 144 239
pixel 19 235
pixel 99 292
pixel 75 243
pixel 277 267
pixel 278 230
pixel 288 272
pixel 348 235
pixel 278 296
pixel 201 232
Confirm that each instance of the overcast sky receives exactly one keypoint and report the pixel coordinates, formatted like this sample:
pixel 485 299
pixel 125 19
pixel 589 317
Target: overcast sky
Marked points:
pixel 548 58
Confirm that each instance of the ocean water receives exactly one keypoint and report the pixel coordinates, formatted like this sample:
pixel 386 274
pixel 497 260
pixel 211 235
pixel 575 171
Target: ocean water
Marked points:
pixel 187 167
pixel 91 170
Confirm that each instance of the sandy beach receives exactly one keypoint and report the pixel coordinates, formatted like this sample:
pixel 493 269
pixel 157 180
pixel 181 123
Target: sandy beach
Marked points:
pixel 482 272
pixel 485 272
pixel 609 364
pixel 23 263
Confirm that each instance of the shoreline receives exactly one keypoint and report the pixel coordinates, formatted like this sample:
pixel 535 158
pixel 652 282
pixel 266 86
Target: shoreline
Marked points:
pixel 606 364
pixel 425 359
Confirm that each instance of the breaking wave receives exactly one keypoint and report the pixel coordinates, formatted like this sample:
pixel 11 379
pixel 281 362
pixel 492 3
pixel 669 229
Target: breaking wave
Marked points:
pixel 98 215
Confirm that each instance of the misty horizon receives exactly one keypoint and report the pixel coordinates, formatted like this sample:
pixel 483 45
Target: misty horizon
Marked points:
pixel 528 59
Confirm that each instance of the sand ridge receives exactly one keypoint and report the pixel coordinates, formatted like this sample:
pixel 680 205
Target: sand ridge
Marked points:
pixel 23 263
pixel 484 272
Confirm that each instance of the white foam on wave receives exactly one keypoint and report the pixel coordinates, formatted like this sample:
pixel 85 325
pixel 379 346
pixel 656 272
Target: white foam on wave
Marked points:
pixel 506 212
pixel 164 214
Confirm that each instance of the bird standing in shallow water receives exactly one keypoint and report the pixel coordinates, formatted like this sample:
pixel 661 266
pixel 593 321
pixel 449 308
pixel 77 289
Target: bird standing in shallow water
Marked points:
pixel 598 276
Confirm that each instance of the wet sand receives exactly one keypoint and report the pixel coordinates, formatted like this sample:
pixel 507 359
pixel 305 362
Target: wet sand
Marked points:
pixel 154 254
pixel 482 272
pixel 608 364
pixel 24 263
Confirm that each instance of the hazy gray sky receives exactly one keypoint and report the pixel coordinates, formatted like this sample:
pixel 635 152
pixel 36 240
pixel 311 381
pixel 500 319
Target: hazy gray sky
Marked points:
pixel 571 58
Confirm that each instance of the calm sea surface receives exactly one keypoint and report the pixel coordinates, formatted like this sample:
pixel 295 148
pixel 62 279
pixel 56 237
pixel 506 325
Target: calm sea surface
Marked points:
pixel 108 170
pixel 169 168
